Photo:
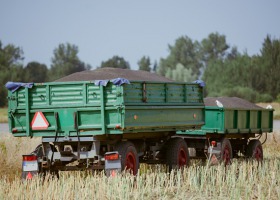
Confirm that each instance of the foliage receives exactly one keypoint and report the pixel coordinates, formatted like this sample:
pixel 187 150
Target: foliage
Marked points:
pixel 116 62
pixel 278 98
pixel 10 55
pixel 214 47
pixel 180 73
pixel 226 71
pixel 36 72
pixel 155 66
pixel 195 56
pixel 3 115
pixel 253 78
pixel 269 66
pixel 144 64
pixel 11 68
pixel 66 61
pixel 184 51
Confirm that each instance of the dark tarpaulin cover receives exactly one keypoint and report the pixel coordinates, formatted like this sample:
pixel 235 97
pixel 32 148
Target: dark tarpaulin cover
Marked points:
pixel 14 86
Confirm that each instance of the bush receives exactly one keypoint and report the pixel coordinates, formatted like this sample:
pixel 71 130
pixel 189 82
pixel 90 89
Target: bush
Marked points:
pixel 278 98
pixel 242 92
pixel 264 98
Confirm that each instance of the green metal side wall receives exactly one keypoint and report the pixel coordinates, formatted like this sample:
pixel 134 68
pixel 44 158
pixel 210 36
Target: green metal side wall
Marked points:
pixel 222 120
pixel 93 110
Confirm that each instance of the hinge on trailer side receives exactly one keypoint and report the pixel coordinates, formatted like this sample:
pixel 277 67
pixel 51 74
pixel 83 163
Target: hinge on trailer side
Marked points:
pixel 78 135
pixel 144 92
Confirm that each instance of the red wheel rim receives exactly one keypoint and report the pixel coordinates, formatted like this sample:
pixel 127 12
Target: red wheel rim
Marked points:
pixel 226 155
pixel 258 153
pixel 182 157
pixel 130 164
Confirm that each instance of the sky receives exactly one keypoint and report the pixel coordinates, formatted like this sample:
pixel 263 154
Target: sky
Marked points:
pixel 132 29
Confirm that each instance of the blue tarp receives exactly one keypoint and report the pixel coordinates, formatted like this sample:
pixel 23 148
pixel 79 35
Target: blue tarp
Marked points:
pixel 117 81
pixel 200 82
pixel 14 86
pixel 120 81
pixel 101 82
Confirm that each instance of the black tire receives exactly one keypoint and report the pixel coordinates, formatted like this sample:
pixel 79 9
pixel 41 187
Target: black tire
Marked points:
pixel 177 154
pixel 129 157
pixel 226 152
pixel 254 150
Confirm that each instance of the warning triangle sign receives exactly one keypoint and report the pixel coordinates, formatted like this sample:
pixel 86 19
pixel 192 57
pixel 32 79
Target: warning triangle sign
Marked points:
pixel 39 122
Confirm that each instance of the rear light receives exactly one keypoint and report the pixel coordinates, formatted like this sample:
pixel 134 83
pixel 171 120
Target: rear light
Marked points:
pixel 118 127
pixel 29 158
pixel 113 156
pixel 14 130
pixel 213 143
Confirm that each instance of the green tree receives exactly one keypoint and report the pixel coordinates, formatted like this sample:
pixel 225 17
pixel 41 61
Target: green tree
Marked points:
pixel 180 74
pixel 214 47
pixel 116 62
pixel 239 77
pixel 184 51
pixel 10 55
pixel 269 64
pixel 11 69
pixel 66 61
pixel 35 72
pixel 144 64
pixel 155 66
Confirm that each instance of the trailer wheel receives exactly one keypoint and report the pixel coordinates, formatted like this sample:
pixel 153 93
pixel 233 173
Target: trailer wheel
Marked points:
pixel 254 150
pixel 129 157
pixel 226 152
pixel 177 154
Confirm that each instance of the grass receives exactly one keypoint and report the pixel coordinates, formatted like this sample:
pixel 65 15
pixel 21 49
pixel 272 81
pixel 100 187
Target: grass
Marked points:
pixel 241 180
pixel 245 180
pixel 3 115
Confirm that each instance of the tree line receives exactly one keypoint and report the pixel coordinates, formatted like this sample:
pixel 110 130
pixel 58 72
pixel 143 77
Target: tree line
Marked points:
pixel 226 71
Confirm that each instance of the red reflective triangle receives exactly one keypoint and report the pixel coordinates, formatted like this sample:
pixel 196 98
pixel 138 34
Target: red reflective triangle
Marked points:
pixel 29 176
pixel 39 122
pixel 113 173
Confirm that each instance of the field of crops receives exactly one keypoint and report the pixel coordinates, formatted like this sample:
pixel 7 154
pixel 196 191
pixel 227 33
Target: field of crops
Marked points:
pixel 3 115
pixel 241 180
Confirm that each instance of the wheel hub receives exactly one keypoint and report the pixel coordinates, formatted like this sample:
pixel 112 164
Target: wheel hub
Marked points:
pixel 130 163
pixel 182 157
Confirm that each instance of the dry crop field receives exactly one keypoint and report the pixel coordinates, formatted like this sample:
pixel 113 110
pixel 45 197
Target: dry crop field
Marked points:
pixel 241 180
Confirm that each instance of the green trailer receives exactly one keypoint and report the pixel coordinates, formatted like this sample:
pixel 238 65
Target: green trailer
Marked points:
pixel 112 110
pixel 106 125
pixel 92 124
pixel 232 126
pixel 236 121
